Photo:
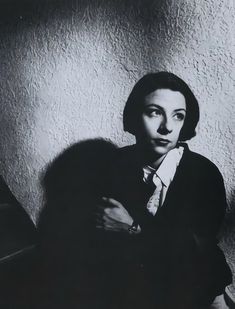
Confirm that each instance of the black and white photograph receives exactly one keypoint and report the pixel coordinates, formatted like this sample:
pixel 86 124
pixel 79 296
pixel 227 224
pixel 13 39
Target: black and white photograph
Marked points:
pixel 117 161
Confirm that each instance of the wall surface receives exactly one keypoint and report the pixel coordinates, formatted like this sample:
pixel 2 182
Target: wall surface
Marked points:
pixel 67 68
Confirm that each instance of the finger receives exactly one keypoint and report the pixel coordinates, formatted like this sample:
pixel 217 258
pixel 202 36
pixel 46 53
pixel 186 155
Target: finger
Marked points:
pixel 110 223
pixel 112 202
pixel 114 224
pixel 111 227
pixel 105 219
pixel 116 205
pixel 109 219
pixel 112 217
pixel 102 210
pixel 118 216
pixel 108 211
pixel 117 227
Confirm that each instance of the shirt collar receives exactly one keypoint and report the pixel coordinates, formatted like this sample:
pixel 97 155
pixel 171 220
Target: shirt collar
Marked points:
pixel 166 171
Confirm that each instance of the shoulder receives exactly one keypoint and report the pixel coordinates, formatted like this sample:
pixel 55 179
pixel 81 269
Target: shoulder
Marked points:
pixel 128 158
pixel 126 151
pixel 200 165
pixel 126 164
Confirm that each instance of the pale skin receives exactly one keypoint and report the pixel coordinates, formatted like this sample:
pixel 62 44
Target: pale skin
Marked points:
pixel 161 121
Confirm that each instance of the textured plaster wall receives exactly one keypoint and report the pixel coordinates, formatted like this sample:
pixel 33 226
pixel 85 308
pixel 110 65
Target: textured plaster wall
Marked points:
pixel 66 68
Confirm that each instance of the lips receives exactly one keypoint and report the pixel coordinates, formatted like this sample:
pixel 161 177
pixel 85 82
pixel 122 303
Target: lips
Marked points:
pixel 161 141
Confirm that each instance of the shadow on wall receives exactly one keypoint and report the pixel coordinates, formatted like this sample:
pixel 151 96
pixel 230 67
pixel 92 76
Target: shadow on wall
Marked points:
pixel 73 184
pixel 126 25
pixel 55 53
pixel 33 10
pixel 135 18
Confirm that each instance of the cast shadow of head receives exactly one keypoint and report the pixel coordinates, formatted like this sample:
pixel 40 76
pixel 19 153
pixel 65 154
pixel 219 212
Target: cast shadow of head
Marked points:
pixel 73 185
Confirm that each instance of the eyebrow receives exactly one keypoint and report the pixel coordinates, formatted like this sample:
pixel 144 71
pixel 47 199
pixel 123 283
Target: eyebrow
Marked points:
pixel 157 106
pixel 180 109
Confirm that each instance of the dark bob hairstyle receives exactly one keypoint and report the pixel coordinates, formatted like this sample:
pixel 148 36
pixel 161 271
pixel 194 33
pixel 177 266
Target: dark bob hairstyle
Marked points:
pixel 161 80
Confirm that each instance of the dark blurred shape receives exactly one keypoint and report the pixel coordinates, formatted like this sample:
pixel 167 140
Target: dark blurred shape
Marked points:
pixel 18 248
pixel 71 256
pixel 16 229
pixel 73 182
pixel 82 168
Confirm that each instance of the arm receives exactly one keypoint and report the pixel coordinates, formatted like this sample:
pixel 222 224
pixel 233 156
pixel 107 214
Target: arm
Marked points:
pixel 212 206
pixel 112 216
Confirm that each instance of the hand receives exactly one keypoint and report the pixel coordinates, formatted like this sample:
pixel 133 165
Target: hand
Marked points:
pixel 112 216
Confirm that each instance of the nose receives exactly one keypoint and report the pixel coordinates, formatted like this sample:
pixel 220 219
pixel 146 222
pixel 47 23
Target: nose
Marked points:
pixel 165 126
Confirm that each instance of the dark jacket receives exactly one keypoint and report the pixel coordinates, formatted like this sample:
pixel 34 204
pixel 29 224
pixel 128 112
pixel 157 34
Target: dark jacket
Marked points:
pixel 175 258
pixel 177 250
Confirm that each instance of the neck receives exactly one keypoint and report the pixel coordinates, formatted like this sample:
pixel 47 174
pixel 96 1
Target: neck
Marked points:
pixel 155 164
pixel 149 158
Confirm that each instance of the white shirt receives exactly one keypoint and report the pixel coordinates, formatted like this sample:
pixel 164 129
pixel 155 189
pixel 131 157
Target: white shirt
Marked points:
pixel 162 178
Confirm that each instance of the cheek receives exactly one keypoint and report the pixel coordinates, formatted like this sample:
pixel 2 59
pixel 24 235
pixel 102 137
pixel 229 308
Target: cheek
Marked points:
pixel 149 126
pixel 177 130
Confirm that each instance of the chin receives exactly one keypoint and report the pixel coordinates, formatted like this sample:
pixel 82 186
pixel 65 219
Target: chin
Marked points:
pixel 157 150
pixel 161 150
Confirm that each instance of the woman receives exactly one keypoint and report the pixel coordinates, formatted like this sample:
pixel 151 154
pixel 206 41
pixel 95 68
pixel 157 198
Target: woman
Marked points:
pixel 164 206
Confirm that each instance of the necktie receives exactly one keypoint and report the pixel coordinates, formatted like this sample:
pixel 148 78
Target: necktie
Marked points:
pixel 155 199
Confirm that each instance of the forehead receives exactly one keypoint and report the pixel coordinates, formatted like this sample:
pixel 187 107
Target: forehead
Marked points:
pixel 166 98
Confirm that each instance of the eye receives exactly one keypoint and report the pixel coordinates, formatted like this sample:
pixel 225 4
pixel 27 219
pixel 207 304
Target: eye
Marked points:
pixel 153 112
pixel 179 116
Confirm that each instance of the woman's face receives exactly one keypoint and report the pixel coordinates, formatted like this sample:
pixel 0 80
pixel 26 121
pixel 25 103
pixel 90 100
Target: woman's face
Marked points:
pixel 161 121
